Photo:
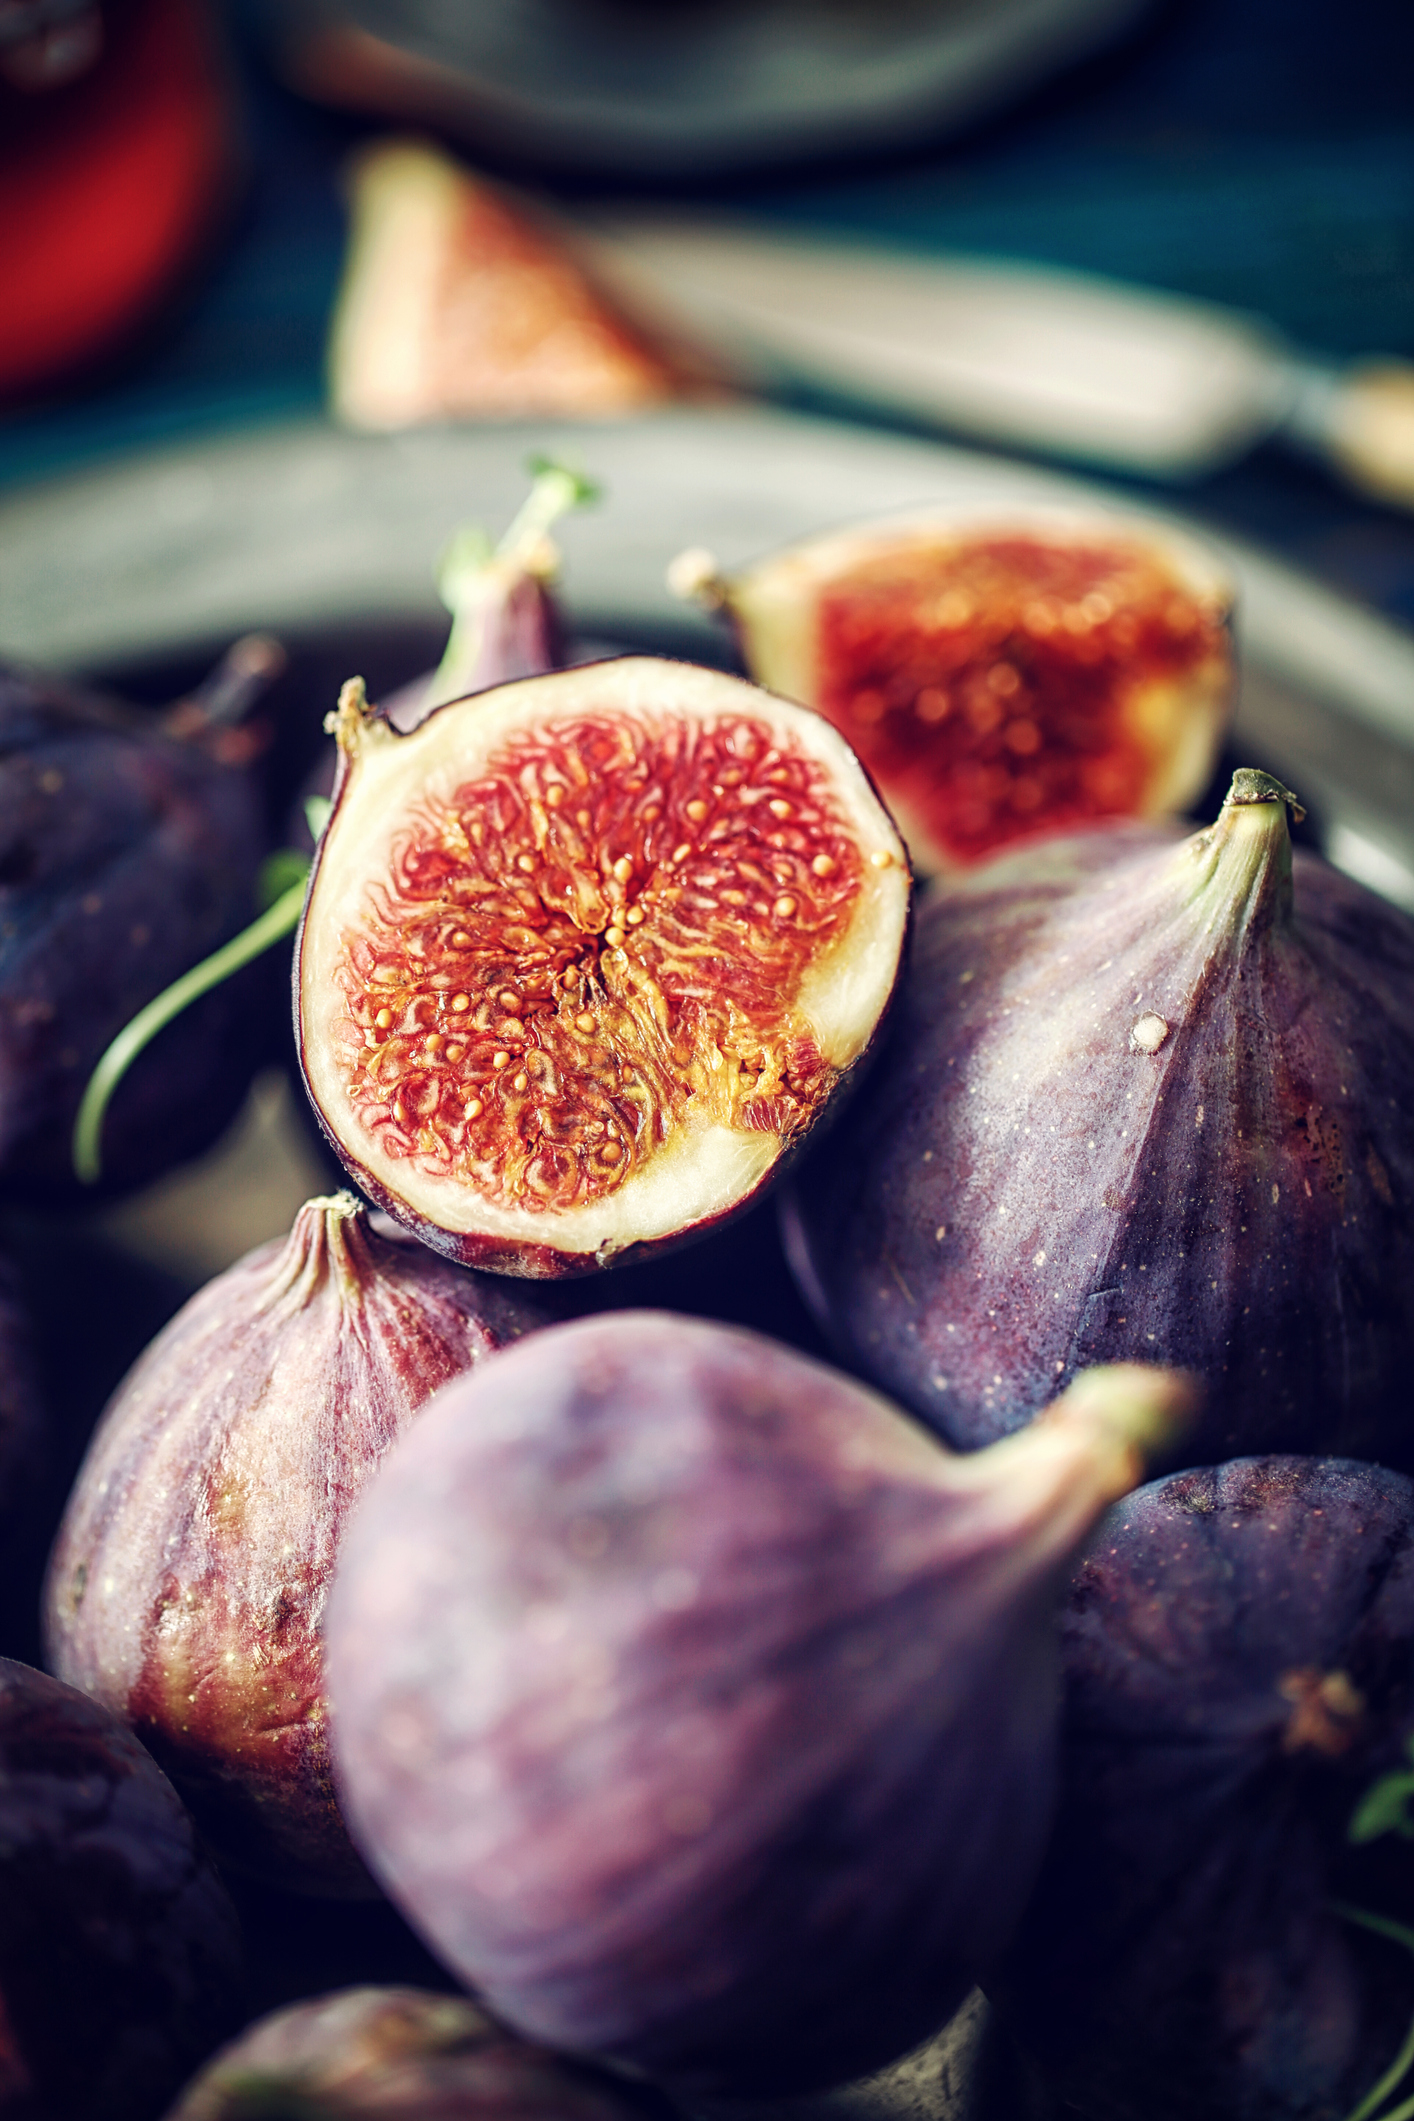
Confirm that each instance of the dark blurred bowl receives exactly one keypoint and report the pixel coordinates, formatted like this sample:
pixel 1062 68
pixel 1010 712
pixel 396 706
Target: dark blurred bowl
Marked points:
pixel 683 89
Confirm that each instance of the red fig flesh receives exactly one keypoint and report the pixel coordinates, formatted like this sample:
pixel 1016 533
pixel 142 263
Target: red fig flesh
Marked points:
pixel 1002 678
pixel 698 1707
pixel 584 956
pixel 187 1586
pixel 1146 1099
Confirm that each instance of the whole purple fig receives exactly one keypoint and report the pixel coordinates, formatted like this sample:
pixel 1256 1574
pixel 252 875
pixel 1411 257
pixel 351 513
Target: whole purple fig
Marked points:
pixel 400 2054
pixel 186 1589
pixel 698 1707
pixel 120 1954
pixel 1145 1100
pixel 1206 1939
pixel 129 849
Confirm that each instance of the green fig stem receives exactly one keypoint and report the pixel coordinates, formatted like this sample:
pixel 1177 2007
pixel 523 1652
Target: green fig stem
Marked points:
pixel 1397 1933
pixel 278 920
pixel 1237 872
pixel 1250 785
pixel 1058 1474
pixel 556 490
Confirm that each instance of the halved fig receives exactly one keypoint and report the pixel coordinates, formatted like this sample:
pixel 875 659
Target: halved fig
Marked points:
pixel 584 956
pixel 1000 676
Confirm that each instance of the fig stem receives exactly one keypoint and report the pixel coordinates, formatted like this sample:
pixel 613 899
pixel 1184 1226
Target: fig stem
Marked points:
pixel 1251 785
pixel 227 693
pixel 1397 1933
pixel 555 492
pixel 279 919
pixel 525 545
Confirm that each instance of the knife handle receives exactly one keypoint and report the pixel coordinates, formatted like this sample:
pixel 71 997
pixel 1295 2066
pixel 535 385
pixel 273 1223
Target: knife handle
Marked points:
pixel 1368 429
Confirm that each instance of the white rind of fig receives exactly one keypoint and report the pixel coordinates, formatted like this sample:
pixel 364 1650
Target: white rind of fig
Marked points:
pixel 702 1169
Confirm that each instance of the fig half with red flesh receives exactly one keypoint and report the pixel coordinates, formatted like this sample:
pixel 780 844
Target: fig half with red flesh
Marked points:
pixel 1002 677
pixel 584 956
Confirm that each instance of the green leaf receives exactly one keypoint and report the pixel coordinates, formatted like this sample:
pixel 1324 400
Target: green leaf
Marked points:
pixel 1385 1806
pixel 280 919
pixel 1374 2099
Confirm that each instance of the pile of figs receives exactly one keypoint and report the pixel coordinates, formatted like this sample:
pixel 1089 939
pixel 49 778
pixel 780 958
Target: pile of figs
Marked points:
pixel 588 1704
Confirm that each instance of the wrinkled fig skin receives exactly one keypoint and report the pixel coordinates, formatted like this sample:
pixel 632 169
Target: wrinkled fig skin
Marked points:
pixel 126 855
pixel 120 1953
pixel 187 1585
pixel 1239 1659
pixel 1025 1189
pixel 697 1707
pixel 402 2054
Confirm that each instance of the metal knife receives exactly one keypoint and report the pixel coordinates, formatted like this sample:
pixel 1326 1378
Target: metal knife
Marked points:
pixel 1057 362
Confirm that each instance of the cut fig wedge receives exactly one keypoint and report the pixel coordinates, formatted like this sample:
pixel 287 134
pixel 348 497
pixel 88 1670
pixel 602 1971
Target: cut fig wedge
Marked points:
pixel 1000 676
pixel 585 956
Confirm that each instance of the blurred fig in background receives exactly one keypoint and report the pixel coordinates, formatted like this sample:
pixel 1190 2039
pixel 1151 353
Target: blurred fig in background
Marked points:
pixel 698 1708
pixel 130 848
pixel 999 676
pixel 400 2054
pixel 459 304
pixel 120 1952
pixel 187 1586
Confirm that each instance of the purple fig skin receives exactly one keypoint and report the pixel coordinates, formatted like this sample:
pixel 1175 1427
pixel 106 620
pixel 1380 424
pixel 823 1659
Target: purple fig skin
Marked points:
pixel 402 2054
pixel 1144 1100
pixel 127 854
pixel 23 1466
pixel 1239 1660
pixel 519 634
pixel 697 1707
pixel 187 1585
pixel 120 1952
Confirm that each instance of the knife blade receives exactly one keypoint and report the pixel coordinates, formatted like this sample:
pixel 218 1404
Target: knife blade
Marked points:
pixel 1057 362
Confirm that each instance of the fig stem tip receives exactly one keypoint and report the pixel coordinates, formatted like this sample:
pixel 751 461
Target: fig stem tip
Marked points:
pixel 1144 1405
pixel 1250 785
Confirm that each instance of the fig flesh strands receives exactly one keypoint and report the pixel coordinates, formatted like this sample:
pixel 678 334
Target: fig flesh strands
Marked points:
pixel 999 678
pixel 503 626
pixel 584 956
pixel 698 1707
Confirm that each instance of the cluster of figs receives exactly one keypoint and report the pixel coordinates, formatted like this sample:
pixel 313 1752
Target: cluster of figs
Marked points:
pixel 720 1717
